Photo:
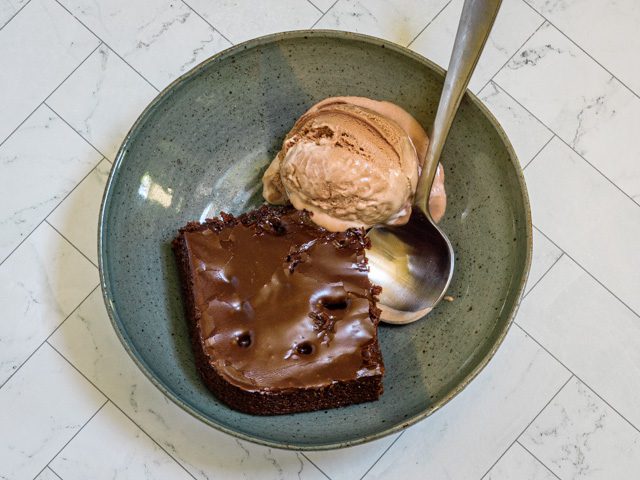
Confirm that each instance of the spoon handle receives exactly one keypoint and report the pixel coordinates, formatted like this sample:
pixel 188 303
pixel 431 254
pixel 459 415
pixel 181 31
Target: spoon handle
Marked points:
pixel 475 24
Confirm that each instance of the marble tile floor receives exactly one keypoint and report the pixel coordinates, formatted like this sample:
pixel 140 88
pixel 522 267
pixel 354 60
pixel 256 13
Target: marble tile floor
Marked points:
pixel 561 399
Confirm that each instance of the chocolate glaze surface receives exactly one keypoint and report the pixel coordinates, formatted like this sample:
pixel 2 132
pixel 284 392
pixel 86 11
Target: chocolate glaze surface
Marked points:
pixel 281 303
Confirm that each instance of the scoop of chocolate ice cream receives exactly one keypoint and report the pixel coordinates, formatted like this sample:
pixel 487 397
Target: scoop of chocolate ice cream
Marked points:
pixel 352 162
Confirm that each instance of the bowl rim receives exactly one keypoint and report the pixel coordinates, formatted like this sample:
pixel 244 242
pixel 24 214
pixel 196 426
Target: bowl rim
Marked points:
pixel 117 165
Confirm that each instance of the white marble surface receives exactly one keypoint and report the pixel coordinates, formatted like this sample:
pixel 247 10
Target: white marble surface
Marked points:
pixel 161 39
pixel 588 217
pixel 482 421
pixel 607 31
pixel 42 407
pixel 240 20
pixel 575 317
pixel 526 133
pixel 38 49
pixel 76 218
pixel 101 100
pixel 40 285
pixel 135 457
pixel 323 5
pixel 41 163
pixel 560 399
pixel 9 8
pixel 579 436
pixel 518 464
pixel 47 474
pixel 581 102
pixel 397 20
pixel 515 23
pixel 351 462
pixel 545 255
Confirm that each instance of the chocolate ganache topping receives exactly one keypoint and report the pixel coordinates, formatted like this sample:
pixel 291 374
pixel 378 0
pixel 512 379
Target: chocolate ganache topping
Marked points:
pixel 282 303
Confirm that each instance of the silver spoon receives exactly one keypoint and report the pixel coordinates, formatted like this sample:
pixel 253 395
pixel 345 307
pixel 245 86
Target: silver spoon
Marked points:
pixel 414 262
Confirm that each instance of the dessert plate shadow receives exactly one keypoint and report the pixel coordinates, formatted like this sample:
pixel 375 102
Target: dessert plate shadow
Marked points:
pixel 201 147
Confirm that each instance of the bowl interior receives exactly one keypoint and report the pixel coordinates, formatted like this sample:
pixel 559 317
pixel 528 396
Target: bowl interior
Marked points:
pixel 201 148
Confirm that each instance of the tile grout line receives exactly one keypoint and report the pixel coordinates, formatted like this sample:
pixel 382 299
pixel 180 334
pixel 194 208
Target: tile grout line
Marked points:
pixel 121 410
pixel 315 6
pixel 553 135
pixel 106 400
pixel 540 461
pixel 573 375
pixel 70 242
pixel 515 322
pixel 428 23
pixel 41 104
pixel 300 453
pixel 511 57
pixel 582 49
pixel 73 128
pixel 52 470
pixel 76 434
pixel 599 171
pixel 14 15
pixel 107 45
pixel 45 340
pixel 207 22
pixel 607 403
pixel 100 43
pixel 323 14
pixel 49 95
pixel 75 131
pixel 636 314
pixel 569 146
pixel 21 123
pixel 532 420
pixel 562 254
pixel 313 463
pixel 382 455
pixel 49 213
pixel 577 377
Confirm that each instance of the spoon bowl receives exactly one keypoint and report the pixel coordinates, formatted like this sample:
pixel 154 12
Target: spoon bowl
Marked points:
pixel 414 263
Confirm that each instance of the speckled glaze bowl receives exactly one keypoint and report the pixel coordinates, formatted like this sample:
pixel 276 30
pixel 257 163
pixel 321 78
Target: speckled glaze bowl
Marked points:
pixel 201 147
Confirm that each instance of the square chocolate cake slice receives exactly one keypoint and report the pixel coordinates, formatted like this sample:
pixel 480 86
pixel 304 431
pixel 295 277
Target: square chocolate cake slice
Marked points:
pixel 282 314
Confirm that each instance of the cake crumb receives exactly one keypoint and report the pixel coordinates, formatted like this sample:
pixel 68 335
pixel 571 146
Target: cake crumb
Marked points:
pixel 448 298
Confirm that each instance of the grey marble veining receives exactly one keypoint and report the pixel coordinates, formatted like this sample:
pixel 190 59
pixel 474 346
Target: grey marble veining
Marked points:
pixel 579 436
pixel 161 39
pixel 588 108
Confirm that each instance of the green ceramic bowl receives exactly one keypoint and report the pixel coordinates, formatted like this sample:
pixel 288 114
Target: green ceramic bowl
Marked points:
pixel 201 147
